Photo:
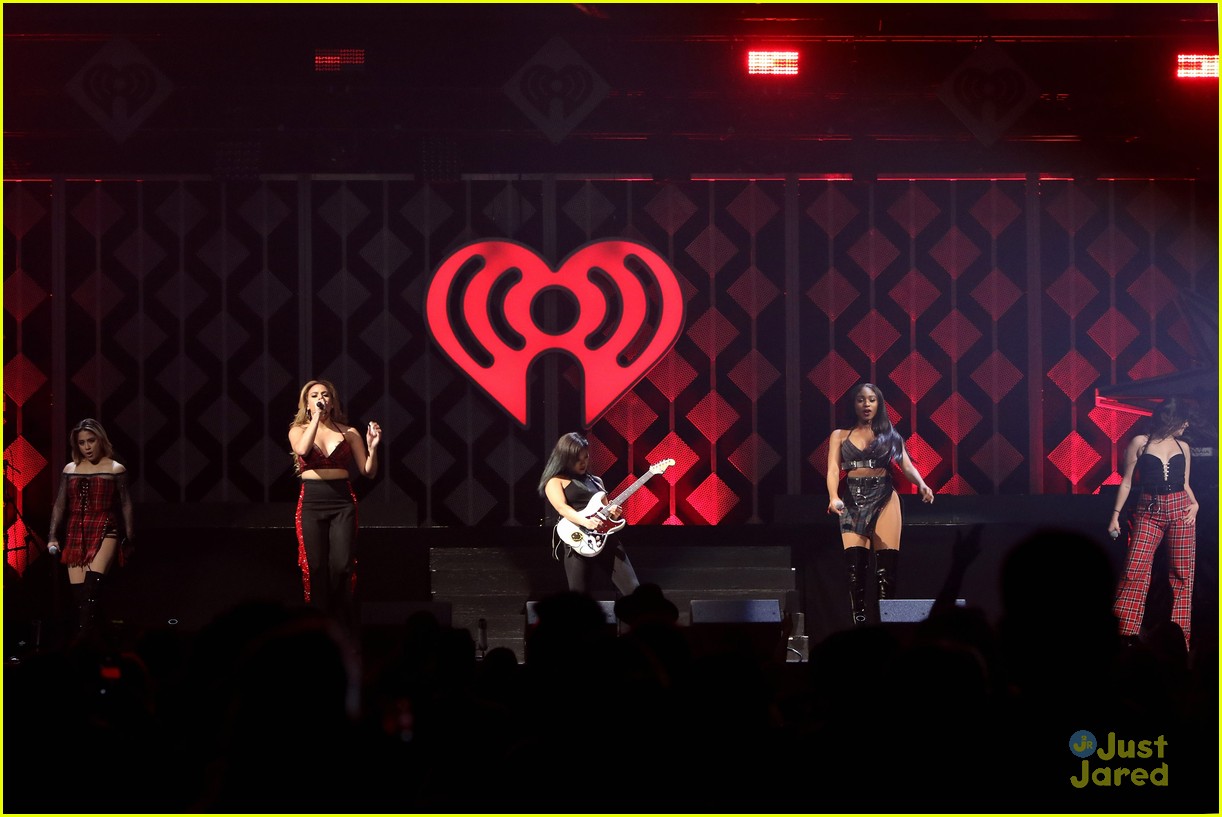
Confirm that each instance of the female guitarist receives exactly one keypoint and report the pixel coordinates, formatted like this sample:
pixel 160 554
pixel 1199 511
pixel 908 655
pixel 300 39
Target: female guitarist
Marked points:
pixel 569 489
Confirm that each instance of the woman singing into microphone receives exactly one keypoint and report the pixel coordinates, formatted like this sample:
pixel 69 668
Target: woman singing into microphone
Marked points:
pixel 327 452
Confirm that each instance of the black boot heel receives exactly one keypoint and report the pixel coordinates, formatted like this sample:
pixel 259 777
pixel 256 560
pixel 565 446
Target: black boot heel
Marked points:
pixel 887 563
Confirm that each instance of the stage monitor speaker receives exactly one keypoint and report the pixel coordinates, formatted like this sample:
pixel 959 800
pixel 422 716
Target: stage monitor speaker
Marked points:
pixel 735 611
pixel 746 628
pixel 396 613
pixel 384 624
pixel 908 609
pixel 608 607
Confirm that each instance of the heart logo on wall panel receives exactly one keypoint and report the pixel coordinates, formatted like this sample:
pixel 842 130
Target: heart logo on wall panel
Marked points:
pixel 484 306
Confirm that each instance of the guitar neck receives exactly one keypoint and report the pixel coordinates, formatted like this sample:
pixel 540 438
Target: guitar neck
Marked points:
pixel 631 489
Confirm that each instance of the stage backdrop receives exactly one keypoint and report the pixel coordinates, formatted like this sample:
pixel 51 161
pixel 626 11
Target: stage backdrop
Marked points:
pixel 186 313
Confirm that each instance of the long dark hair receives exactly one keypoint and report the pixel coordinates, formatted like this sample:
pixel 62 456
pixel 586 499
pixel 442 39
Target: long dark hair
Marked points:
pixel 1169 416
pixel 564 458
pixel 886 438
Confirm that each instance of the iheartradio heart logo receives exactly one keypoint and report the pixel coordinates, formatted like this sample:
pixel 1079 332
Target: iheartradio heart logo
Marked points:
pixel 483 298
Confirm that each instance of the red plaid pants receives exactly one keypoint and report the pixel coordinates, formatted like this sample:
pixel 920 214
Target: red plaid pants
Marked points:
pixel 1158 517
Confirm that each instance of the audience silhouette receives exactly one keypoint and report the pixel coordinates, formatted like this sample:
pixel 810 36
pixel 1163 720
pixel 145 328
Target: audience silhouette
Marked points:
pixel 270 708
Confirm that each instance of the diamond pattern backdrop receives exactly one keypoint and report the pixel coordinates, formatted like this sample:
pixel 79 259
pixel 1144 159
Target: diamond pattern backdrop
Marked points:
pixel 185 314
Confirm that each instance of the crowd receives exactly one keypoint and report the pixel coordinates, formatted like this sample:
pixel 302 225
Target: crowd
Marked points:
pixel 272 708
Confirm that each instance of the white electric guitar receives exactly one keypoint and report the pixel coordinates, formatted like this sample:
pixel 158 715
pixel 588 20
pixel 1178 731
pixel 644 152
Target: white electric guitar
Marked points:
pixel 589 542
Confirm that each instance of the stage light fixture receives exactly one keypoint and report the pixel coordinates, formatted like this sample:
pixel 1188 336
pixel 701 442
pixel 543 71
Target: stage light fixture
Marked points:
pixel 772 63
pixel 338 59
pixel 1196 66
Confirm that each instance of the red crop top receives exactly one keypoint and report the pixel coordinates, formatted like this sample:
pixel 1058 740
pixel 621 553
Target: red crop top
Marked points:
pixel 341 457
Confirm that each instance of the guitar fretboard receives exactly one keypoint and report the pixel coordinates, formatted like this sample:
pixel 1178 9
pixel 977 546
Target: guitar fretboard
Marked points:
pixel 631 489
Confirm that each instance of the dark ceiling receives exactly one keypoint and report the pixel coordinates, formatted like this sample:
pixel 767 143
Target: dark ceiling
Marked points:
pixel 242 95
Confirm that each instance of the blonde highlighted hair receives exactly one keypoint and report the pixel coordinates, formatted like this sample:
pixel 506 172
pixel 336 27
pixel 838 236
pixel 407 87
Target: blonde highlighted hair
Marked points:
pixel 89 424
pixel 303 406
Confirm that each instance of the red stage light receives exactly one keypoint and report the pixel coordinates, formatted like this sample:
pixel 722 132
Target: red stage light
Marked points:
pixel 1196 66
pixel 338 59
pixel 772 63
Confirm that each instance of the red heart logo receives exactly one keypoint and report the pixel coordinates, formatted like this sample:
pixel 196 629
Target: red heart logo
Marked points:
pixel 479 311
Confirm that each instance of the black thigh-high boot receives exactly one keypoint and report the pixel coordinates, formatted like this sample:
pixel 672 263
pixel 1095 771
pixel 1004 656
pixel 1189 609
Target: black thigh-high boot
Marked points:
pixel 886 569
pixel 857 560
pixel 91 606
pixel 80 595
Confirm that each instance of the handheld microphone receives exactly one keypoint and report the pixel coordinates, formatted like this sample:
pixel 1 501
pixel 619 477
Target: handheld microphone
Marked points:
pixel 1115 534
pixel 839 506
pixel 319 405
pixel 53 549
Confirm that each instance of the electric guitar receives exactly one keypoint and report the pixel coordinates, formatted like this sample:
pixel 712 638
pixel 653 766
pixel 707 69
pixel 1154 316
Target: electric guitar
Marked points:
pixel 589 542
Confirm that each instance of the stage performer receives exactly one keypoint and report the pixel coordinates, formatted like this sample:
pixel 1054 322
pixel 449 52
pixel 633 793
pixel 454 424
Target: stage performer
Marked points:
pixel 96 507
pixel 870 512
pixel 568 486
pixel 1157 465
pixel 327 455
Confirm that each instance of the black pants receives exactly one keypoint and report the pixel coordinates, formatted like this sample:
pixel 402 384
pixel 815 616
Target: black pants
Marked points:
pixel 326 538
pixel 611 560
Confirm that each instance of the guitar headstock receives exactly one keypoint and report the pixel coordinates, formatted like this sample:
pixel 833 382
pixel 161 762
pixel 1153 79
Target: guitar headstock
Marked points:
pixel 662 465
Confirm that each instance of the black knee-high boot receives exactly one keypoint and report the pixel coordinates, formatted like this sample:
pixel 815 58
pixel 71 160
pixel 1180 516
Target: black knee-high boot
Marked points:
pixel 857 560
pixel 91 604
pixel 886 567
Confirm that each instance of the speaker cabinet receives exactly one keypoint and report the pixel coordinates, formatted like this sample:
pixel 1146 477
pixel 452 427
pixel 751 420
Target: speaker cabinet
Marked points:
pixel 396 613
pixel 384 623
pixel 608 608
pixel 735 611
pixel 746 628
pixel 908 609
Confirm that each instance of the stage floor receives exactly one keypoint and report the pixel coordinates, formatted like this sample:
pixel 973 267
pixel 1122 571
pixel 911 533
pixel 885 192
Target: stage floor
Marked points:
pixel 195 562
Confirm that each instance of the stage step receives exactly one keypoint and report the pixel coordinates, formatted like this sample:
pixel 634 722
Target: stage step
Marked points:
pixel 494 583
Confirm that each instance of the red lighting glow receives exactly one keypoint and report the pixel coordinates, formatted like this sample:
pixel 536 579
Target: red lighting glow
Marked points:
pixel 772 63
pixel 338 59
pixel 1196 66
